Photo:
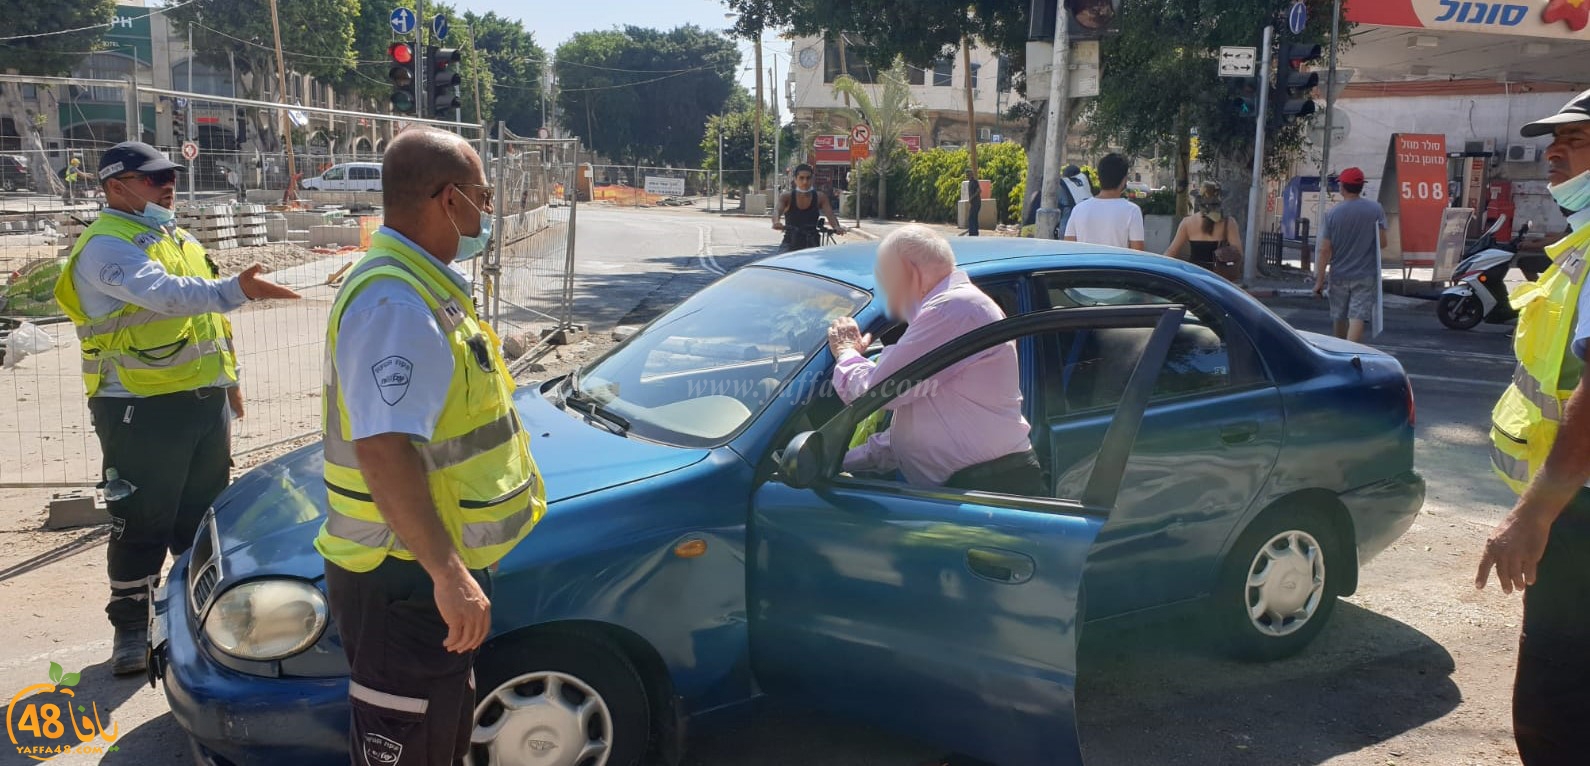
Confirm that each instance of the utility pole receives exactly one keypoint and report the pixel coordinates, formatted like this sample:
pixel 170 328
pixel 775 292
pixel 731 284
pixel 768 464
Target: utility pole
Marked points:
pixel 756 128
pixel 971 106
pixel 281 113
pixel 187 114
pixel 1054 136
pixel 422 92
pixel 1250 249
pixel 1330 105
pixel 720 167
pixel 778 133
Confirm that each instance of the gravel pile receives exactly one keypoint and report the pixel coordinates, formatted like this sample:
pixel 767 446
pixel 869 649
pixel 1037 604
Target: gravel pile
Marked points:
pixel 275 257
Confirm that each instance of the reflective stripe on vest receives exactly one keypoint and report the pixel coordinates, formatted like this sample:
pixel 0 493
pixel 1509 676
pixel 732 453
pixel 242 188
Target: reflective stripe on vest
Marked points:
pixel 1509 466
pixel 1550 405
pixel 436 455
pixel 476 534
pixel 134 361
pixel 116 324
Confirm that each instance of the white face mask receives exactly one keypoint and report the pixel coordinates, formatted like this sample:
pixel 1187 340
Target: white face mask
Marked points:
pixel 803 187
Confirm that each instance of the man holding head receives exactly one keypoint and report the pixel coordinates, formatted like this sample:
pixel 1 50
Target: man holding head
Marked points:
pixel 160 371
pixel 428 470
pixel 963 428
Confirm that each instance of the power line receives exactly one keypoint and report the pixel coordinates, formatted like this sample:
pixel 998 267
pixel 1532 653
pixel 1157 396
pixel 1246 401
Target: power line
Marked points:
pixel 94 26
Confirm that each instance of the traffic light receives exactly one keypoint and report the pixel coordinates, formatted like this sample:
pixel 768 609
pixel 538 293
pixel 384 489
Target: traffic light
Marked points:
pixel 179 119
pixel 1292 95
pixel 1090 19
pixel 1243 95
pixel 401 74
pixel 442 65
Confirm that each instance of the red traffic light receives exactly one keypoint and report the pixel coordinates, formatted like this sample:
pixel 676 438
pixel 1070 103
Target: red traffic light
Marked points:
pixel 402 53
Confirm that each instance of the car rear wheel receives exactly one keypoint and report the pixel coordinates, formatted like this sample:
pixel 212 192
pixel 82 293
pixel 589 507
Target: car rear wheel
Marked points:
pixel 559 699
pixel 1277 590
pixel 8 185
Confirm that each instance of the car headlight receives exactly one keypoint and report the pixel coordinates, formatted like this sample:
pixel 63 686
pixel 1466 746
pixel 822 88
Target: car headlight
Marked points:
pixel 267 619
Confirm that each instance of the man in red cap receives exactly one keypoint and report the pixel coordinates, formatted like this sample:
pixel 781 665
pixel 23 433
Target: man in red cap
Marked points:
pixel 1350 244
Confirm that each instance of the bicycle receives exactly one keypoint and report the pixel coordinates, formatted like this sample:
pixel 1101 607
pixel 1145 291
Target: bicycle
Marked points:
pixel 807 236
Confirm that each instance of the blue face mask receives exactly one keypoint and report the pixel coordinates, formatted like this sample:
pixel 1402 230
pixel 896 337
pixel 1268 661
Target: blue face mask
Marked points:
pixel 156 215
pixel 469 247
pixel 1573 195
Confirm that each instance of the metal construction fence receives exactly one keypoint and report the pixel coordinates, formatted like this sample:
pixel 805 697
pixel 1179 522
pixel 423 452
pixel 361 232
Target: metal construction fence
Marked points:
pixel 643 186
pixel 527 279
pixel 46 439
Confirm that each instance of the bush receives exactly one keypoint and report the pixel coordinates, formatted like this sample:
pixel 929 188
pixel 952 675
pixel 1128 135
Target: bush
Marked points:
pixel 1162 202
pixel 867 181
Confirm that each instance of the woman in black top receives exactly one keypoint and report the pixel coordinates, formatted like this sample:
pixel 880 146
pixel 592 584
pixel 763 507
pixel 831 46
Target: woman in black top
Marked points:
pixel 1207 230
pixel 802 210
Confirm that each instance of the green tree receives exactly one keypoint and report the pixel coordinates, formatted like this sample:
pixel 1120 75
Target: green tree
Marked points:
pixel 317 40
pixel 738 137
pixel 887 109
pixel 50 55
pixel 518 69
pixel 642 95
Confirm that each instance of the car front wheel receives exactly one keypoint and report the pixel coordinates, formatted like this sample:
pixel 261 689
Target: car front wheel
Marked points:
pixel 559 699
pixel 1277 587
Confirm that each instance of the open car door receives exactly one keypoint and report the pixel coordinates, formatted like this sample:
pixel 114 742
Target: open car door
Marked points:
pixel 951 616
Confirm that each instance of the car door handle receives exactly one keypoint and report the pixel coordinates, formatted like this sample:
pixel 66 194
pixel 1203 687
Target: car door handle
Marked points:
pixel 1239 433
pixel 1000 565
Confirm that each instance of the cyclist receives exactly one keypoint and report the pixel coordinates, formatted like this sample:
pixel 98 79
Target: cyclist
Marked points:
pixel 802 211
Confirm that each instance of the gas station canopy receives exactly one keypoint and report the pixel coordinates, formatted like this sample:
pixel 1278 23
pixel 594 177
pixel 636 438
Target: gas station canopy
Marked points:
pixel 1525 41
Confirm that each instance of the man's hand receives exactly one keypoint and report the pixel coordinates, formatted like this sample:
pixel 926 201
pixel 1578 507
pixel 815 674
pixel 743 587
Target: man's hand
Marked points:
pixel 257 289
pixel 465 609
pixel 844 334
pixel 840 230
pixel 778 226
pixel 234 398
pixel 1514 549
pixel 1319 287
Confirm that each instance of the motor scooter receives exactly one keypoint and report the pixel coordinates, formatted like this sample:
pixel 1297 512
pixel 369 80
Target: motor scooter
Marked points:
pixel 1479 290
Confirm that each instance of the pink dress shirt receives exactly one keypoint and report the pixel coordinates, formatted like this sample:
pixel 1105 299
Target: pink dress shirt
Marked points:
pixel 965 415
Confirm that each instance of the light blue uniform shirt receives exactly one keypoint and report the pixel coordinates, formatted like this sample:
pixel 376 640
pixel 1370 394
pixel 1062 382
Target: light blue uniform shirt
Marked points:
pixel 111 273
pixel 393 360
pixel 1581 328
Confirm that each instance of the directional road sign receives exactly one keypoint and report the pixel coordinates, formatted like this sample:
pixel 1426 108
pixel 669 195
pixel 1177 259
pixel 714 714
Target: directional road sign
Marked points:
pixel 1297 17
pixel 1238 61
pixel 402 20
pixel 439 26
pixel 860 134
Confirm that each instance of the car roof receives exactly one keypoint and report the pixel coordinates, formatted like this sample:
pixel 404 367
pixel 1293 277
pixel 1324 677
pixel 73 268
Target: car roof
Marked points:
pixel 357 165
pixel 852 263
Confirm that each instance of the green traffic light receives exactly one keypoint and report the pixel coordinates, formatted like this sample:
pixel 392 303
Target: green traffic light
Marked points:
pixel 402 102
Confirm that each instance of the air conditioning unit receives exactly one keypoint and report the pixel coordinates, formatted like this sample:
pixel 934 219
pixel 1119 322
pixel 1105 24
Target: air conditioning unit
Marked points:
pixel 1523 153
pixel 985 134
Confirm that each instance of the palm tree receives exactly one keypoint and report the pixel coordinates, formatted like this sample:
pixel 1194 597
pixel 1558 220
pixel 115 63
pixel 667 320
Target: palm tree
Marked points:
pixel 886 108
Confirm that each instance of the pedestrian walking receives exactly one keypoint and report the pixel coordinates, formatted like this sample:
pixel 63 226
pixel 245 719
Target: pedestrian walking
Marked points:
pixel 1109 218
pixel 1209 237
pixel 1349 254
pixel 158 365
pixel 428 469
pixel 974 203
pixel 1074 187
pixel 1540 436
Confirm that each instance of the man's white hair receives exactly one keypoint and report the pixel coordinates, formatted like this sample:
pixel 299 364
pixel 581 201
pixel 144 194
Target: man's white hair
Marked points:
pixel 920 245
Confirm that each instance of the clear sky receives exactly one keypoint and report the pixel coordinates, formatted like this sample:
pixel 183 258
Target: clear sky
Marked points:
pixel 554 22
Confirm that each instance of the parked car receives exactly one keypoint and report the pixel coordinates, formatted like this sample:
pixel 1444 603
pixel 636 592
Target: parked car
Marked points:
pixel 702 547
pixel 348 176
pixel 14 173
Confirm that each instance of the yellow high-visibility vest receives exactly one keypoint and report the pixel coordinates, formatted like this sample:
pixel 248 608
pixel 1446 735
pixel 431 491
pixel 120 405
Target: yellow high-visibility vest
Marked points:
pixel 1525 420
pixel 482 477
pixel 151 353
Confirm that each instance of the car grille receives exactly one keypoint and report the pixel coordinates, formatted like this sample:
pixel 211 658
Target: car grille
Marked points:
pixel 204 567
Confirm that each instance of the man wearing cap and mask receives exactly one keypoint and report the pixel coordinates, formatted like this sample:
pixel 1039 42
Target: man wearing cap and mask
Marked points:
pixel 1540 437
pixel 428 470
pixel 159 368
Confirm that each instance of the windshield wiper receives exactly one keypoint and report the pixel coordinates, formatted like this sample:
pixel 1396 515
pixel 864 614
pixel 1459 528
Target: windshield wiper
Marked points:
pixel 584 402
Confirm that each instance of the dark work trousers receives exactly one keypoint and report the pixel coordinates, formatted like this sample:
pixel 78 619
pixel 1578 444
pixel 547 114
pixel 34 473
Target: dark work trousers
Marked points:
pixel 1551 694
pixel 175 449
pixel 1015 474
pixel 413 701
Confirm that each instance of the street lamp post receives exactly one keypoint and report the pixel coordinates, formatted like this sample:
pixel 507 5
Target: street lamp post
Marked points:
pixel 720 167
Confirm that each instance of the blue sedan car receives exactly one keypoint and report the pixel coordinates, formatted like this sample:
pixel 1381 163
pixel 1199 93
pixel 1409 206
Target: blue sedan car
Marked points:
pixel 702 547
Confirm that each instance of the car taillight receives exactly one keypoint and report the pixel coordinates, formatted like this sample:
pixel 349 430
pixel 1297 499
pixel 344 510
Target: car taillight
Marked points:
pixel 1408 386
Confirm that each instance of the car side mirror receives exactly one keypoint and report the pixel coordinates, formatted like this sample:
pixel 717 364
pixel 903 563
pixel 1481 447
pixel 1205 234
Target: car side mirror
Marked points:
pixel 801 464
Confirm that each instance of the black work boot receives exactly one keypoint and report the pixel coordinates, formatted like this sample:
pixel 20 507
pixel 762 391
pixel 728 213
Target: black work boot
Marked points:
pixel 128 653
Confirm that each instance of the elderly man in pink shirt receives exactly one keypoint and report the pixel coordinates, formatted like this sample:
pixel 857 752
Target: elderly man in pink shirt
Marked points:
pixel 962 428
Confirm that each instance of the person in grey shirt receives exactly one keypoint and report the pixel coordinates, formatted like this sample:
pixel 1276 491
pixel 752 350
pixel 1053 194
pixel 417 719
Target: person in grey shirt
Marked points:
pixel 1355 232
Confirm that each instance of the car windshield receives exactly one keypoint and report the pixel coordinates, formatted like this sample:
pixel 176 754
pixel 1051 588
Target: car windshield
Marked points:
pixel 700 372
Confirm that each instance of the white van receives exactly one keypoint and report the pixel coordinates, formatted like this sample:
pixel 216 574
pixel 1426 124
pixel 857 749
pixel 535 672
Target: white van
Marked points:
pixel 348 176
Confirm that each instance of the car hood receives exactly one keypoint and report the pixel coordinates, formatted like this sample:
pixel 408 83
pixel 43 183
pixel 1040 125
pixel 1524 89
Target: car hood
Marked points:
pixel 268 519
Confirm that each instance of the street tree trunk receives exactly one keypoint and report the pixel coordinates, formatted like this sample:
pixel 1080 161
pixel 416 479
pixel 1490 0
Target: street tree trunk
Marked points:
pixel 883 192
pixel 44 178
pixel 1183 158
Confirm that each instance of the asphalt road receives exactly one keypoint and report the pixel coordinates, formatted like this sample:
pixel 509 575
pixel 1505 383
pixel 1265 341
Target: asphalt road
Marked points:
pixel 1382 672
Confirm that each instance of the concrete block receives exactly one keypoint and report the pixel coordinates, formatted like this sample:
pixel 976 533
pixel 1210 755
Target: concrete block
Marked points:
pixel 302 220
pixel 623 331
pixel 276 229
pixel 987 215
pixel 564 336
pixel 333 236
pixel 756 204
pixel 75 508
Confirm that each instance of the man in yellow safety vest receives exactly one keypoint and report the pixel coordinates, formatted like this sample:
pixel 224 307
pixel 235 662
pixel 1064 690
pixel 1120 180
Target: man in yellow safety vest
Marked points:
pixel 1540 434
pixel 428 469
pixel 159 368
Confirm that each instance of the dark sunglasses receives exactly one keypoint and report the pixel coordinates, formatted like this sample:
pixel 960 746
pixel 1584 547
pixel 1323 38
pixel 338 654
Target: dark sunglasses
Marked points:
pixel 156 179
pixel 486 198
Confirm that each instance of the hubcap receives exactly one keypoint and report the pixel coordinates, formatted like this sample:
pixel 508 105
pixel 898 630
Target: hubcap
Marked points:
pixel 1286 582
pixel 542 719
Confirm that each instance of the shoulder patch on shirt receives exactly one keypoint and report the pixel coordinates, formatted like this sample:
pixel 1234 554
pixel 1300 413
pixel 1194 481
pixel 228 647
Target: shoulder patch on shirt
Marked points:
pixel 112 275
pixel 146 240
pixel 392 377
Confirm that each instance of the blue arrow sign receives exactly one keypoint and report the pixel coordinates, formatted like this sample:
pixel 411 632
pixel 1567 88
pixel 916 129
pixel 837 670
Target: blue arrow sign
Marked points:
pixel 1297 18
pixel 402 20
pixel 439 26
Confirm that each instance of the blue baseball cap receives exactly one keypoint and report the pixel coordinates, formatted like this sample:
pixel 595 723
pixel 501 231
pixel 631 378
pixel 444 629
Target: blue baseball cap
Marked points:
pixel 133 157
